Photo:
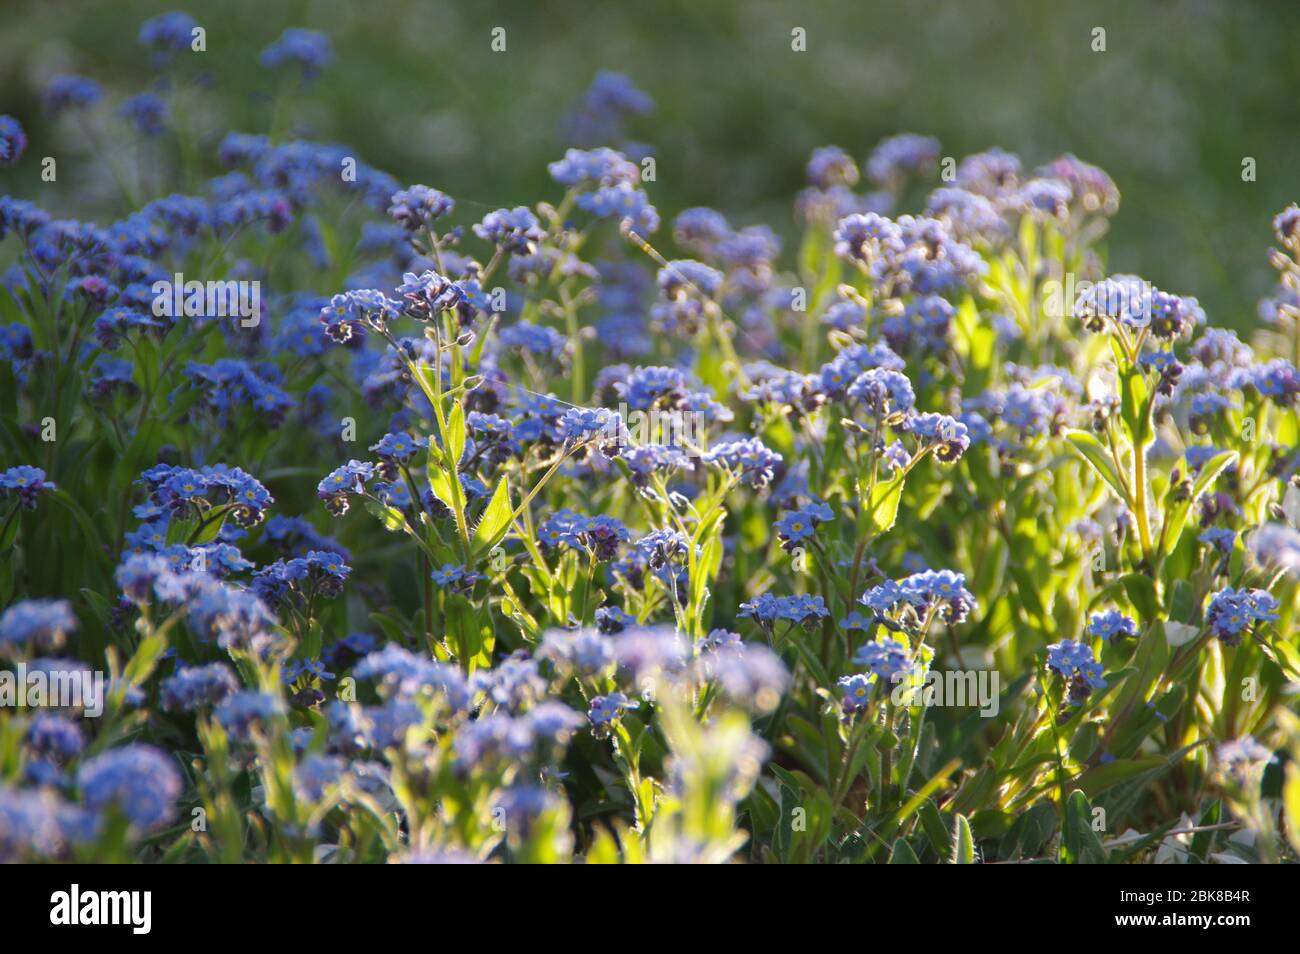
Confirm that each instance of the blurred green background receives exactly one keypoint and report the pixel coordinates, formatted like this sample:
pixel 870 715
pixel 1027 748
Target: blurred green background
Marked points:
pixel 1184 91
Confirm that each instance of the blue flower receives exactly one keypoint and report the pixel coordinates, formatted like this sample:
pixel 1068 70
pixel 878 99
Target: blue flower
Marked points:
pixel 534 339
pixel 54 737
pixel 587 652
pixel 339 483
pixel 1206 406
pixel 295 536
pixel 644 460
pixel 147 111
pixel 867 238
pixel 1277 379
pixel 515 683
pixel 402 674
pixel 25 483
pixel 236 618
pixel 514 230
pixel 170 32
pixel 855 621
pixel 1278 546
pixel 647 652
pixel 794 527
pixel 887 658
pixel 767 610
pixel 802 523
pixel 316 774
pixel 399 447
pixel 831 166
pixel 901 155
pixel 599 536
pixel 1219 538
pixel 13 141
pixel 747 674
pixel 625 202
pixel 1111 624
pixel 68 92
pixel 593 167
pixel 151 535
pixel 1243 758
pixel 856 691
pixel 683 276
pixel 948 436
pixel 1073 661
pixel 40 623
pixel 887 394
pixel 700 228
pixel 138 780
pixel 941 590
pixel 387 726
pixel 1231 611
pixel 599 115
pixel 243 713
pixel 754 462
pixel 603 711
pixel 418 207
pixel 309 49
pixel 194 687
pixel 1172 315
pixel 456 579
pixel 611 620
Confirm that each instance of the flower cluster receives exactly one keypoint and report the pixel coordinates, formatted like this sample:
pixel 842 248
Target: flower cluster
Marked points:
pixel 1073 661
pixel 1232 612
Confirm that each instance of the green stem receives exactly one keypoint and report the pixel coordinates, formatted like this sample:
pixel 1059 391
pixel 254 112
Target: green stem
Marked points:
pixel 1140 499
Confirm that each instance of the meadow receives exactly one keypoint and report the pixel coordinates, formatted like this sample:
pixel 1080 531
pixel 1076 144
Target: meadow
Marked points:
pixel 344 519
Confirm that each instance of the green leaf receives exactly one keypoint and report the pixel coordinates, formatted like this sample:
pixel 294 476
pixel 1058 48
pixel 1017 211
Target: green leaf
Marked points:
pixel 1079 843
pixel 10 524
pixel 1027 592
pixel 1203 841
pixel 142 662
pixel 455 435
pixel 1039 826
pixel 65 500
pixel 817 827
pixel 976 342
pixel 1182 601
pixel 390 517
pixel 882 509
pixel 1177 518
pixel 1094 452
pixel 903 854
pixel 495 522
pixel 100 606
pixel 1141 590
pixel 963 844
pixel 1101 777
pixel 393 628
pixel 1135 407
pixel 935 829
pixel 440 484
pixel 211 528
